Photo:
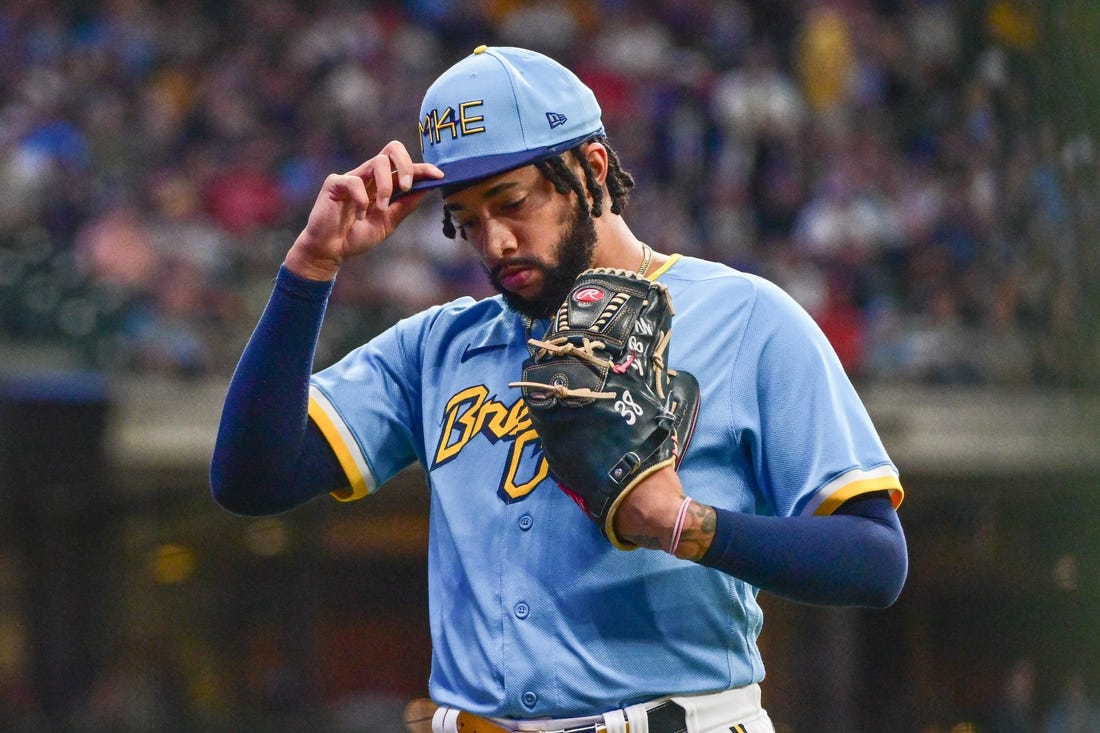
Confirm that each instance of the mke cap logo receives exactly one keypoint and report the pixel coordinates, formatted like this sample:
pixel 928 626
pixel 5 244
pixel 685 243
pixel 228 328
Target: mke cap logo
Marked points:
pixel 588 295
pixel 448 124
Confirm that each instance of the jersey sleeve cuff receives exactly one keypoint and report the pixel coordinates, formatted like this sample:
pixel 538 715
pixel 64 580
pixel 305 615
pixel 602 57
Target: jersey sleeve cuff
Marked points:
pixel 300 287
pixel 360 479
pixel 854 483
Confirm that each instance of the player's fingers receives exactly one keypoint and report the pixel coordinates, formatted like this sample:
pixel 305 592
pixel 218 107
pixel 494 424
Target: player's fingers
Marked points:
pixel 426 170
pixel 394 159
pixel 379 177
pixel 405 171
pixel 401 162
pixel 390 169
pixel 348 186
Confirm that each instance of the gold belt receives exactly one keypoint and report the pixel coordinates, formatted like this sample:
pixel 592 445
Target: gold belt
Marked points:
pixel 667 717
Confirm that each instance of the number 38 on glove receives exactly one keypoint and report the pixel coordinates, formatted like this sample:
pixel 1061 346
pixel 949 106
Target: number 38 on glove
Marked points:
pixel 606 407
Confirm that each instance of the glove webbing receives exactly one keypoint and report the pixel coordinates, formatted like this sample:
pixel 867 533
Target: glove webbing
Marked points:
pixel 560 346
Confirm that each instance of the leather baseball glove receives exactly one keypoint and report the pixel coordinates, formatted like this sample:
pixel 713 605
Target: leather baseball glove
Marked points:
pixel 606 408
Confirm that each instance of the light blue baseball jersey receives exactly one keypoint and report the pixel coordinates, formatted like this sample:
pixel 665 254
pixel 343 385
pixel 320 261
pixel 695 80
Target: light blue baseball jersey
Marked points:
pixel 533 613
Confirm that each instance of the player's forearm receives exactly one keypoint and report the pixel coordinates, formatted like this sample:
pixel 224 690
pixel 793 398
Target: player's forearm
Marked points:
pixel 256 466
pixel 857 557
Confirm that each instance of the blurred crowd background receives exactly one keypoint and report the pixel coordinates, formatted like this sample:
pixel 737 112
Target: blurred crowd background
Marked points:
pixel 920 174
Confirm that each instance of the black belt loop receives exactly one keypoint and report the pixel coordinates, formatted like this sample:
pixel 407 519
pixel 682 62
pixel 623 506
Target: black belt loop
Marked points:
pixel 668 717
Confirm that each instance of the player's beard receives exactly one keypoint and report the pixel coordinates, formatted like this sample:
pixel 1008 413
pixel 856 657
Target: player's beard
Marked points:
pixel 573 255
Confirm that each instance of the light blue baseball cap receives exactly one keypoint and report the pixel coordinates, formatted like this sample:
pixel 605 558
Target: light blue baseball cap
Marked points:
pixel 501 108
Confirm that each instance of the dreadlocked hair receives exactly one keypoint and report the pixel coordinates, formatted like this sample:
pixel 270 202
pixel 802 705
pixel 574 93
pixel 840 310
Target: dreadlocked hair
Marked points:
pixel 557 171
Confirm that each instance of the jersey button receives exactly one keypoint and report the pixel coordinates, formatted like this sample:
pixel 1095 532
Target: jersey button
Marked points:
pixel 521 610
pixel 529 699
pixel 526 522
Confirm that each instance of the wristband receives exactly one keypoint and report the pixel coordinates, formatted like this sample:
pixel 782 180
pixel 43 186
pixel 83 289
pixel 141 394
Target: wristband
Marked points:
pixel 679 527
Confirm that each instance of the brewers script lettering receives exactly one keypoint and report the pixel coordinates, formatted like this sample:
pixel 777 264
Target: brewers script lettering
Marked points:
pixel 473 412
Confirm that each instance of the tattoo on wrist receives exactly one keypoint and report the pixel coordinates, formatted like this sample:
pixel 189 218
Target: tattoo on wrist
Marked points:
pixel 698 532
pixel 647 541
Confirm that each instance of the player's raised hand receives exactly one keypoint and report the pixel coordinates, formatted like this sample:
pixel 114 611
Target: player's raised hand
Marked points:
pixel 355 211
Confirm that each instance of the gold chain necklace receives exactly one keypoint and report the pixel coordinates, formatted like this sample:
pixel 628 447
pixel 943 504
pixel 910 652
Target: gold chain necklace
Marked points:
pixel 647 253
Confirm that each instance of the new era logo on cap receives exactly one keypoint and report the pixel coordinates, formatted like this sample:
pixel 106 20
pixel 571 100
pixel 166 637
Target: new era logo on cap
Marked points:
pixel 556 119
pixel 500 108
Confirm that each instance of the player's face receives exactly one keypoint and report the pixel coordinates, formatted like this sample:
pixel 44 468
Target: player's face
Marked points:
pixel 573 255
pixel 507 219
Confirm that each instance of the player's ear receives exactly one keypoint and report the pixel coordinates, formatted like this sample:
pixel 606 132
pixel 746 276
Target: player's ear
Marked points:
pixel 596 155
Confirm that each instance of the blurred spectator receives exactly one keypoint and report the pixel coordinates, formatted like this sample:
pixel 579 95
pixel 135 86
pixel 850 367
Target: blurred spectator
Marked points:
pixel 759 100
pixel 116 248
pixel 1075 710
pixel 134 693
pixel 244 194
pixel 826 59
pixel 1015 710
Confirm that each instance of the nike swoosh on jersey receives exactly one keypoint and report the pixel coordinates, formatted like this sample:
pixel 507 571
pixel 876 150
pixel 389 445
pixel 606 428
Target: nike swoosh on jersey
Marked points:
pixel 472 351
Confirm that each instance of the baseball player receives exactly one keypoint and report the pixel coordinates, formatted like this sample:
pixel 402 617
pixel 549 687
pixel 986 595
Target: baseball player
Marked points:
pixel 541 619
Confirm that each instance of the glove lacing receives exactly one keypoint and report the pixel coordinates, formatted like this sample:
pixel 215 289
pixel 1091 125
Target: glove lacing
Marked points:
pixel 561 346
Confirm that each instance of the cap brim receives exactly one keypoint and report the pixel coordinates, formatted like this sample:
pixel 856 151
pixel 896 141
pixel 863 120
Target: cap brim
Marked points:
pixel 463 173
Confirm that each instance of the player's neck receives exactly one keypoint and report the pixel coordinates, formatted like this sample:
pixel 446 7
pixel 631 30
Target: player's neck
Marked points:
pixel 617 247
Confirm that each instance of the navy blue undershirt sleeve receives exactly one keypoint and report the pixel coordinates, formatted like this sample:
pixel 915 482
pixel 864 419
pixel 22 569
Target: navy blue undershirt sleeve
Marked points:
pixel 269 456
pixel 855 557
